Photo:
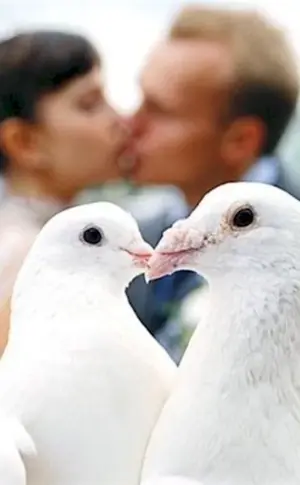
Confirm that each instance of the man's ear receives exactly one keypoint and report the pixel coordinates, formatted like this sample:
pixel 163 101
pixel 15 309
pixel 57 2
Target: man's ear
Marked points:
pixel 18 142
pixel 243 141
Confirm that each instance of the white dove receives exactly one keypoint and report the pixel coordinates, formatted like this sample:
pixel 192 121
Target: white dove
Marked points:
pixel 81 375
pixel 233 417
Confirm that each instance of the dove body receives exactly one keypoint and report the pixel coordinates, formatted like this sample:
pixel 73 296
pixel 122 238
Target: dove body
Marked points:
pixel 234 415
pixel 80 372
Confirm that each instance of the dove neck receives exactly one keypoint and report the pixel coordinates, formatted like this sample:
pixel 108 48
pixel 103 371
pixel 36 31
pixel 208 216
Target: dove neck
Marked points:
pixel 249 332
pixel 240 375
pixel 67 302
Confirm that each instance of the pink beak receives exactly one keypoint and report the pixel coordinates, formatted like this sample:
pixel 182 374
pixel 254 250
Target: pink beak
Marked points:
pixel 171 252
pixel 163 264
pixel 141 254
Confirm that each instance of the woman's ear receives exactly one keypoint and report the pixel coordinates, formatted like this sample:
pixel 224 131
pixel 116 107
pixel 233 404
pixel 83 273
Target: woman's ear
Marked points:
pixel 19 143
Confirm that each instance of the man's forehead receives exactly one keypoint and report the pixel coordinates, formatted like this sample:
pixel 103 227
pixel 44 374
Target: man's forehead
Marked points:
pixel 186 66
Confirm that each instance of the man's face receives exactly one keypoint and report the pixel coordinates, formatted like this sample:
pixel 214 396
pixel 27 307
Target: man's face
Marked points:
pixel 178 129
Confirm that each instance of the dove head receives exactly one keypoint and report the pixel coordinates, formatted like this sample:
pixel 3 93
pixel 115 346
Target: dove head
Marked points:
pixel 98 240
pixel 236 227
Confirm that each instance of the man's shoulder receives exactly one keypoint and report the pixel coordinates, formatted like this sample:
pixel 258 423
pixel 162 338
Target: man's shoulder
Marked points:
pixel 274 170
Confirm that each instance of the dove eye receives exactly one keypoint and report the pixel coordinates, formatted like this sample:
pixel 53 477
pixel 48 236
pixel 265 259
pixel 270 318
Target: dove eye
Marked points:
pixel 92 236
pixel 243 218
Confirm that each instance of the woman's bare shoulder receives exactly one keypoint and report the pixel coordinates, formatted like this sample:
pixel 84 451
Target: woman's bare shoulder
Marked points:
pixel 16 238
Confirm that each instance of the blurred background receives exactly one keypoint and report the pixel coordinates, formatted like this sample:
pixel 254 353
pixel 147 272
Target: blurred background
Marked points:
pixel 125 31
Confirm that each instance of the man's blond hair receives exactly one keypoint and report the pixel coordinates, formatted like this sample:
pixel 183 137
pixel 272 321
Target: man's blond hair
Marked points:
pixel 265 67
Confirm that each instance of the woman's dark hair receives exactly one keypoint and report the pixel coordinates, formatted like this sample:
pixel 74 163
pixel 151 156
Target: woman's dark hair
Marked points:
pixel 35 63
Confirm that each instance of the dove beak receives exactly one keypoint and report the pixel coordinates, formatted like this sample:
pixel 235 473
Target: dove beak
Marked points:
pixel 166 263
pixel 140 254
pixel 173 252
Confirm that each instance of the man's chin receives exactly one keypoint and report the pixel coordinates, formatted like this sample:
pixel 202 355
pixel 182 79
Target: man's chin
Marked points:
pixel 127 165
pixel 138 176
pixel 142 175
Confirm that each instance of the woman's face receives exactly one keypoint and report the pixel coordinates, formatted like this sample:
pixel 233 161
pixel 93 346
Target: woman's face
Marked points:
pixel 80 135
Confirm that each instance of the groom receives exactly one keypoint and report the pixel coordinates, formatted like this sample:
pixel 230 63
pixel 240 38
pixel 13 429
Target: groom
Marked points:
pixel 218 94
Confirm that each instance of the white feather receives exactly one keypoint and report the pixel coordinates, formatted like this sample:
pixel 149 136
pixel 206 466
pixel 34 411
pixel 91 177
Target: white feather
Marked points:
pixel 233 417
pixel 80 373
